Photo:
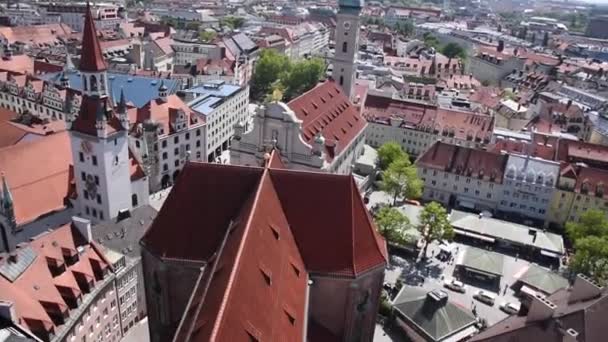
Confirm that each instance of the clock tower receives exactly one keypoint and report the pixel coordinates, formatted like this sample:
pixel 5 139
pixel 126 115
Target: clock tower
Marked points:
pixel 99 139
pixel 347 44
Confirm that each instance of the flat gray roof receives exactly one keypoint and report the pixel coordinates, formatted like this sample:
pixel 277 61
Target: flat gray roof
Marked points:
pixel 481 260
pixel 508 231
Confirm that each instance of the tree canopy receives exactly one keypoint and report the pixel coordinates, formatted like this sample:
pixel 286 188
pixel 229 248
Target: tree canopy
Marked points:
pixel 434 225
pixel 390 152
pixel 274 71
pixel 430 41
pixel 207 36
pixel 234 22
pixel 392 225
pixel 401 180
pixel 452 50
pixel 406 28
pixel 590 238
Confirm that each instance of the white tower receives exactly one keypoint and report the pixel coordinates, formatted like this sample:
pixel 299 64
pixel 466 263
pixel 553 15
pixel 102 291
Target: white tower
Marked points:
pixel 347 44
pixel 99 140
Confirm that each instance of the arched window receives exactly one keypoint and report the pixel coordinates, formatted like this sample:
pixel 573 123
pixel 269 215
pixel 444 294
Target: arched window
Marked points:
pixel 84 83
pixel 341 80
pixel 93 81
pixel 102 83
pixel 134 201
pixel 344 47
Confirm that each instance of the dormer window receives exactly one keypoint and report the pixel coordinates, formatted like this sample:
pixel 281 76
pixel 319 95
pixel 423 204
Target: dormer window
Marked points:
pixel 585 188
pixel 599 191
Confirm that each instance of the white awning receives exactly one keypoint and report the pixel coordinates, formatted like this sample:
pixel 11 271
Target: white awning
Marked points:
pixel 461 335
pixel 475 235
pixel 550 254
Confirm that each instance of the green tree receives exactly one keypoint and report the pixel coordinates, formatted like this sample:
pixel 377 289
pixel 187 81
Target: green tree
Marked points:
pixel 267 70
pixel 207 36
pixel 401 180
pixel 234 22
pixel 430 41
pixel 590 238
pixel 192 25
pixel 406 28
pixel 546 39
pixel 592 223
pixel 451 50
pixel 302 76
pixel 390 152
pixel 392 225
pixel 434 225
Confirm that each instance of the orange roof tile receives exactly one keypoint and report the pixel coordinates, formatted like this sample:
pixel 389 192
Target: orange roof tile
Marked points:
pixel 41 189
pixel 326 109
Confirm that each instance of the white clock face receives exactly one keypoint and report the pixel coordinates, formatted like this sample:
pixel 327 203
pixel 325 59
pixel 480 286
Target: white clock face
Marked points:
pixel 347 25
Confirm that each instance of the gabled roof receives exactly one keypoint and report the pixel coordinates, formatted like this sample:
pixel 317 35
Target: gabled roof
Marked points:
pixel 543 279
pixel 91 57
pixel 327 110
pixel 36 284
pixel 437 319
pixel 464 161
pixel 587 317
pixel 276 230
pixel 41 189
pixel 93 109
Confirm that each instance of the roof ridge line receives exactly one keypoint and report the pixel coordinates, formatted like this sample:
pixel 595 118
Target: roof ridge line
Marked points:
pixel 352 225
pixel 239 253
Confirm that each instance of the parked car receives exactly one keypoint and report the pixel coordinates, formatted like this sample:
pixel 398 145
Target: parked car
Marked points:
pixel 485 297
pixel 455 285
pixel 510 308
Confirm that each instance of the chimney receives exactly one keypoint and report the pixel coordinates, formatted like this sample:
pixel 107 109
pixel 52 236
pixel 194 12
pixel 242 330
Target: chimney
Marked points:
pixel 540 309
pixel 570 335
pixel 569 104
pixel 7 311
pixel 583 289
pixel 501 46
pixel 83 226
pixel 13 257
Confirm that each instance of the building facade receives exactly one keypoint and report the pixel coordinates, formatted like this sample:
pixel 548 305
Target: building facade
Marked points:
pixel 462 177
pixel 529 187
pixel 106 16
pixel 61 288
pixel 224 106
pixel 416 125
pixel 319 130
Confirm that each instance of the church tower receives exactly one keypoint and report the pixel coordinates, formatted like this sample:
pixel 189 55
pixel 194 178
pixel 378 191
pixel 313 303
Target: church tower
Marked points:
pixel 347 44
pixel 99 139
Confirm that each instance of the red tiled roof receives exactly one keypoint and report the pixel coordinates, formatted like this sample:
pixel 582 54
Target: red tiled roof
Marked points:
pixel 42 189
pixel 91 58
pixel 535 149
pixel 464 161
pixel 273 242
pixel 18 64
pixel 421 116
pixel 36 284
pixel 163 113
pixel 328 110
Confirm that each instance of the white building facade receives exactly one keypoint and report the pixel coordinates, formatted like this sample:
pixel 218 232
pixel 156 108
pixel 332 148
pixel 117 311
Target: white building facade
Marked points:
pixel 223 106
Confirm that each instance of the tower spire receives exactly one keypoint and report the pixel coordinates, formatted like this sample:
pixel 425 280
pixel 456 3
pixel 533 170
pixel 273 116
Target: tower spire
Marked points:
pixel 91 57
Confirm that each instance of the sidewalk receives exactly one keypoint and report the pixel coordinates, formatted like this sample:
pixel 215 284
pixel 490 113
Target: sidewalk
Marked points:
pixel 139 332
